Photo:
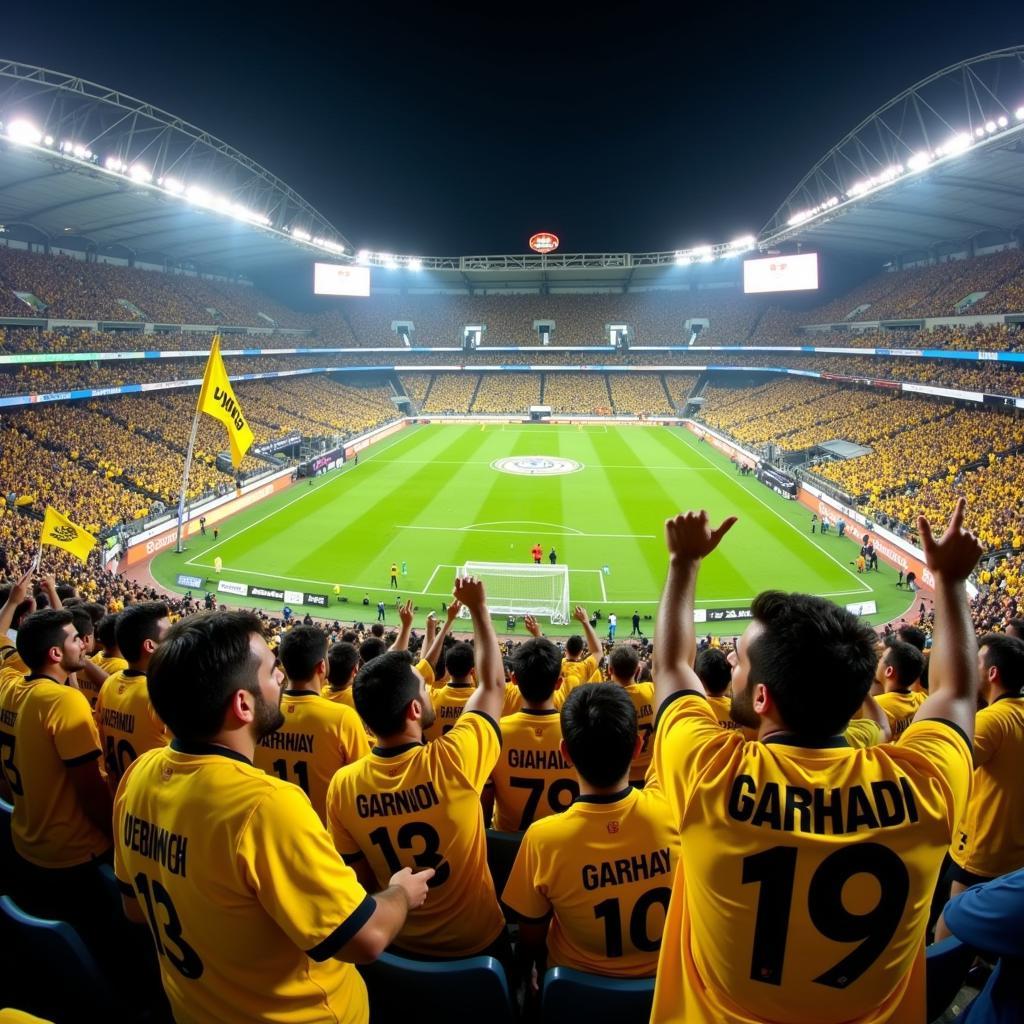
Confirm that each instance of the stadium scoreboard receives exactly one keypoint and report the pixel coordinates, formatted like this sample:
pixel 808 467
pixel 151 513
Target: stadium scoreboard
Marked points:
pixel 338 279
pixel 797 273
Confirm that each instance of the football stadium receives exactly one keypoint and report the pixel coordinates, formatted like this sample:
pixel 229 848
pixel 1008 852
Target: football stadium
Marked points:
pixel 600 635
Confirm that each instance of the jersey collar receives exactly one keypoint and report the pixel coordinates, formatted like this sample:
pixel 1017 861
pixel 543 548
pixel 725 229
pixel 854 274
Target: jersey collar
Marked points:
pixel 299 693
pixel 539 711
pixel 790 739
pixel 206 749
pixel 395 751
pixel 1003 696
pixel 133 673
pixel 609 798
pixel 34 677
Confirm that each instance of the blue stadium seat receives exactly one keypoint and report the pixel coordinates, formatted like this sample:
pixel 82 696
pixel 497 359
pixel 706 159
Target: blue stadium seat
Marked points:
pixel 948 962
pixel 6 846
pixel 35 949
pixel 502 848
pixel 573 995
pixel 477 983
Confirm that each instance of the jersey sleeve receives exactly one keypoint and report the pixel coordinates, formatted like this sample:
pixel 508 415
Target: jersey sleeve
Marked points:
pixel 988 736
pixel 340 836
pixel 525 890
pixel 352 739
pixel 426 670
pixel 937 756
pixel 513 700
pixel 73 728
pixel 286 856
pixel 473 745
pixel 687 741
pixel 862 732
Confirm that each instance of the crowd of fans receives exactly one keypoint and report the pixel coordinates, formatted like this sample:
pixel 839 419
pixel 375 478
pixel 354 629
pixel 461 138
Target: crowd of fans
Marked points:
pixel 507 392
pixel 639 394
pixel 585 394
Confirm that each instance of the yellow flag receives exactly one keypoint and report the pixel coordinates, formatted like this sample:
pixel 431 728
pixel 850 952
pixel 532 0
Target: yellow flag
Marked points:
pixel 59 531
pixel 217 399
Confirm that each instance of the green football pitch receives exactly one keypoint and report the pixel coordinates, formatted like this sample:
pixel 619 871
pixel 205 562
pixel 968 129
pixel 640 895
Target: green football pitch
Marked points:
pixel 434 497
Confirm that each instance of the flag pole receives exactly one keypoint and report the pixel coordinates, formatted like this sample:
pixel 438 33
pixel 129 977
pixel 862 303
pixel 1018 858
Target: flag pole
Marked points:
pixel 191 446
pixel 184 480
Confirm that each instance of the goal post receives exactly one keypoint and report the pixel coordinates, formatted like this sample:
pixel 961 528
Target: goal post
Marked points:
pixel 515 588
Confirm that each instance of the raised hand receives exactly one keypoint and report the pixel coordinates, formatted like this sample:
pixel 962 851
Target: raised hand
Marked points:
pixel 955 554
pixel 689 537
pixel 580 614
pixel 405 613
pixel 532 626
pixel 20 589
pixel 470 592
pixel 453 611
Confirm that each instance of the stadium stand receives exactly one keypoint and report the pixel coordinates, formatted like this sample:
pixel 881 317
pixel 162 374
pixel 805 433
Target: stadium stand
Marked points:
pixel 585 393
pixel 506 392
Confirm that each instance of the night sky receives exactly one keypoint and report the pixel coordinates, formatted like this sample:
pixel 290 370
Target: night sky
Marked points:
pixel 436 131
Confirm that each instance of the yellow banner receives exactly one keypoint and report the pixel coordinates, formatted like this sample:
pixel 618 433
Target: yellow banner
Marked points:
pixel 59 531
pixel 217 399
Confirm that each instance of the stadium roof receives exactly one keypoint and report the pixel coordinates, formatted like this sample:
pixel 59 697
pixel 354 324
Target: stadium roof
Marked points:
pixel 84 162
pixel 939 164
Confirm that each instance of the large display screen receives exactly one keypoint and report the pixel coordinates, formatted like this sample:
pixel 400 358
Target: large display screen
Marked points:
pixel 781 273
pixel 335 279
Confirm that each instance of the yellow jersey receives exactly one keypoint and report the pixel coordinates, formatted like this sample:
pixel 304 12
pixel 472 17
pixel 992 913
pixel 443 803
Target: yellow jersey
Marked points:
pixel 128 724
pixel 344 696
pixel 45 728
pixel 642 696
pixel 246 897
pixel 990 839
pixel 603 869
pixel 531 779
pixel 110 663
pixel 449 702
pixel 806 873
pixel 418 806
pixel 900 707
pixel 862 732
pixel 318 737
pixel 576 672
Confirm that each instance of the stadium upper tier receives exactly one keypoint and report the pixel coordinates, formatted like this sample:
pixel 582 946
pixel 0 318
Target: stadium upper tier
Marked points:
pixel 44 287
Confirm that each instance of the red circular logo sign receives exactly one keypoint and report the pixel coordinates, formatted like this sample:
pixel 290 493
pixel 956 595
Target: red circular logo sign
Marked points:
pixel 544 241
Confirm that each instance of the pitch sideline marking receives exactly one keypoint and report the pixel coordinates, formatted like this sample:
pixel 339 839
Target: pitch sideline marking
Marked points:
pixel 864 589
pixel 305 494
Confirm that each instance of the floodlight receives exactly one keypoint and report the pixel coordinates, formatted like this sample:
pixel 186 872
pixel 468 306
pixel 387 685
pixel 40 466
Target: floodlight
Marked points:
pixel 1019 113
pixel 364 256
pixel 919 161
pixel 173 185
pixel 746 242
pixel 681 259
pixel 388 260
pixel 112 163
pixel 21 130
pixel 958 143
pixel 139 172
pixel 415 263
pixel 1001 121
pixel 48 140
pixel 979 131
pixel 990 126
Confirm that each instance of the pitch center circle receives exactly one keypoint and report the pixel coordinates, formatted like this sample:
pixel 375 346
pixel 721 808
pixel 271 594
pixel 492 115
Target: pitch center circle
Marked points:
pixel 536 465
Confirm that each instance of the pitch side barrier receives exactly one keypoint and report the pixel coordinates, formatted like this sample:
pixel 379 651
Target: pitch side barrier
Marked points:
pixel 891 548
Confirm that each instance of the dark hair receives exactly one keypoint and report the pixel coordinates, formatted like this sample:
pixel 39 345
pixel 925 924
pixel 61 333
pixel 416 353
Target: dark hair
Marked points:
pixel 714 670
pixel 574 645
pixel 199 664
pixel 383 689
pixel 377 630
pixel 1005 653
pixel 817 660
pixel 39 632
pixel 913 636
pixel 906 661
pixel 372 647
pixel 96 612
pixel 82 619
pixel 537 664
pixel 600 731
pixel 106 631
pixel 460 659
pixel 623 662
pixel 300 651
pixel 1017 624
pixel 137 624
pixel 342 657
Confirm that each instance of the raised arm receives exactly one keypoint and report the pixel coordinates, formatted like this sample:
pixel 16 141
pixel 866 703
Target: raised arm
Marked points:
pixel 689 539
pixel 532 626
pixel 405 616
pixel 19 593
pixel 407 891
pixel 49 584
pixel 953 665
pixel 489 695
pixel 582 616
pixel 432 651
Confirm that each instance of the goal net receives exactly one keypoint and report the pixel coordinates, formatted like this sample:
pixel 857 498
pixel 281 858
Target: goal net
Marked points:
pixel 518 589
